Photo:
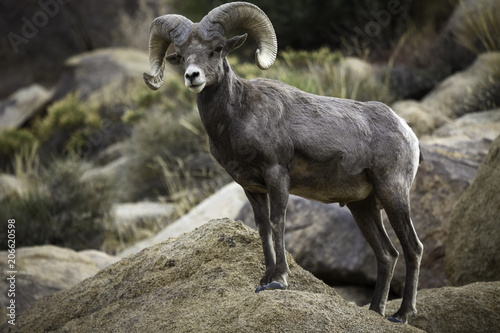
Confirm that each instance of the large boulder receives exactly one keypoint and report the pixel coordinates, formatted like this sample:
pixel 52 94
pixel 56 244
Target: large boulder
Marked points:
pixel 477 126
pixel 103 74
pixel 446 172
pixel 44 270
pixel 473 308
pixel 473 247
pixel 135 221
pixel 227 202
pixel 202 281
pixel 477 88
pixel 23 105
pixel 324 239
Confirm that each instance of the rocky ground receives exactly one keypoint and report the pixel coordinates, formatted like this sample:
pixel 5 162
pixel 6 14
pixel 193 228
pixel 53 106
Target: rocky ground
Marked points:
pixel 204 281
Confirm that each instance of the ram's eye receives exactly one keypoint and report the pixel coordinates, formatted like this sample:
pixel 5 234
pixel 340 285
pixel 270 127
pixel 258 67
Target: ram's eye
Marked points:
pixel 218 50
pixel 176 56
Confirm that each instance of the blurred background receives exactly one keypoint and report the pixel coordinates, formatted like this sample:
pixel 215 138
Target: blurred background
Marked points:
pixel 85 145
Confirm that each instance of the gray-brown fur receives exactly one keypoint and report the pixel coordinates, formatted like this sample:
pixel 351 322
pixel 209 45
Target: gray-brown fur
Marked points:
pixel 274 139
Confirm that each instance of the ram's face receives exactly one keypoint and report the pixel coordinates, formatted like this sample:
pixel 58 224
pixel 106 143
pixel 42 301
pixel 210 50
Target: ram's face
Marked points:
pixel 203 59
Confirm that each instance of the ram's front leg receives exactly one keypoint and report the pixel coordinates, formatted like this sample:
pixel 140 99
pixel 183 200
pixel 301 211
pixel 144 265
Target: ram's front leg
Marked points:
pixel 277 183
pixel 260 206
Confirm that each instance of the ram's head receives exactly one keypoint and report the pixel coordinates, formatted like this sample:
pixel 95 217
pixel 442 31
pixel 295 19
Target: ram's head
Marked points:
pixel 202 47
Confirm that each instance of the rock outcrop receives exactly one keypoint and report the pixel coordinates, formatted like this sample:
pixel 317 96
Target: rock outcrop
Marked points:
pixel 473 247
pixel 202 281
pixel 473 308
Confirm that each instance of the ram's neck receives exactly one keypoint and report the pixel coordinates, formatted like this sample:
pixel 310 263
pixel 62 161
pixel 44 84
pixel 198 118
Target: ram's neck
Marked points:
pixel 219 104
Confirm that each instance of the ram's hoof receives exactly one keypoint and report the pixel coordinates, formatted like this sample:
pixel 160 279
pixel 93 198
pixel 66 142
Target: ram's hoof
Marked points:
pixel 395 320
pixel 271 286
pixel 260 288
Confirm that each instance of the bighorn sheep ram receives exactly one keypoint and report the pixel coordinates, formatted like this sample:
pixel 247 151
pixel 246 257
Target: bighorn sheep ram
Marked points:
pixel 274 139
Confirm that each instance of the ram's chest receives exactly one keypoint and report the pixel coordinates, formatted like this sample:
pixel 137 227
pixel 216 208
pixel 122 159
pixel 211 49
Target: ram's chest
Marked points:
pixel 240 162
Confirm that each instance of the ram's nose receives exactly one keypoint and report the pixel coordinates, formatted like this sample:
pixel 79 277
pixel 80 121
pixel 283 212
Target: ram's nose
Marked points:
pixel 194 78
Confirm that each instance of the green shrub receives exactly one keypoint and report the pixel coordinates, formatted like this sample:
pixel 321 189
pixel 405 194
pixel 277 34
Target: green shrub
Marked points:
pixel 67 113
pixel 67 120
pixel 14 141
pixel 70 126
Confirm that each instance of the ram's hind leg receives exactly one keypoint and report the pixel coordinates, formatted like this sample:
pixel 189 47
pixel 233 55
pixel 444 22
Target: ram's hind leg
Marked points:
pixel 396 201
pixel 369 220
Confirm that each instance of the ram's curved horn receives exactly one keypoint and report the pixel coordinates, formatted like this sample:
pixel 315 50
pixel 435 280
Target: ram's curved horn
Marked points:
pixel 242 15
pixel 163 31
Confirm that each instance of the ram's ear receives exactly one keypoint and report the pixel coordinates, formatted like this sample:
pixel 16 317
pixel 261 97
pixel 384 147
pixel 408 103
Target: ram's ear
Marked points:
pixel 174 59
pixel 235 42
